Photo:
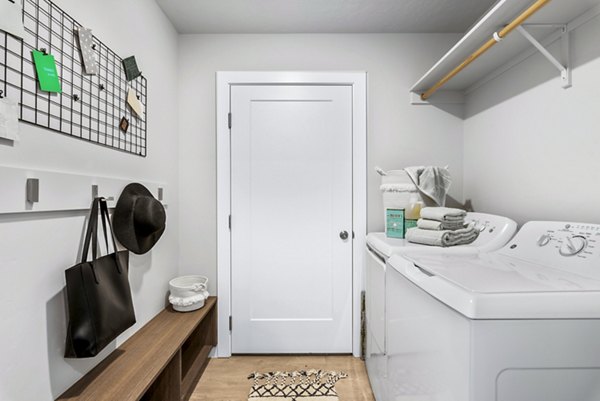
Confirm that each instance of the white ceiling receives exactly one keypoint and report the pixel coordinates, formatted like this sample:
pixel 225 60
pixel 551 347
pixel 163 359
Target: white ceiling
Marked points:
pixel 323 16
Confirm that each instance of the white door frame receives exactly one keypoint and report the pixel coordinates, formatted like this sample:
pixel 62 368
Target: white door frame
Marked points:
pixel 358 81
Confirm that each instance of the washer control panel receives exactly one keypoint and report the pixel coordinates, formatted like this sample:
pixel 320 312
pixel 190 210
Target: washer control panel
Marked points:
pixel 494 231
pixel 570 239
pixel 562 245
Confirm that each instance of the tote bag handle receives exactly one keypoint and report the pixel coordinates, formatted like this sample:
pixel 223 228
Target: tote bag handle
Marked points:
pixel 107 224
pixel 91 235
pixel 92 230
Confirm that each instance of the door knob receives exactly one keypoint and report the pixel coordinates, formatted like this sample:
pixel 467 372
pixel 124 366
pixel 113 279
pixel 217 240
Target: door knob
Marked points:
pixel 344 235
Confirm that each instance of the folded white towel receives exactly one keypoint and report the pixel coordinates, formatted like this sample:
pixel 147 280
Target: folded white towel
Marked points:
pixel 443 214
pixel 442 238
pixel 426 224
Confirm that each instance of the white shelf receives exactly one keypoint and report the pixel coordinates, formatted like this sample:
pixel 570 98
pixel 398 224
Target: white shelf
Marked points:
pixel 513 46
pixel 60 191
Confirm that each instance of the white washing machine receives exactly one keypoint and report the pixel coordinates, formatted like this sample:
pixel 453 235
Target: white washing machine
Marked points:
pixel 518 324
pixel 496 231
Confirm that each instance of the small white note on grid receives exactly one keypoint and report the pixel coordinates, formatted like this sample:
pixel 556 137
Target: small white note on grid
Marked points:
pixel 86 40
pixel 136 105
pixel 11 20
pixel 9 119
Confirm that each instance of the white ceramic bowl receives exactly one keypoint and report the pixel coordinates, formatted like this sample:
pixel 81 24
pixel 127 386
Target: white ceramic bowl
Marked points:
pixel 188 292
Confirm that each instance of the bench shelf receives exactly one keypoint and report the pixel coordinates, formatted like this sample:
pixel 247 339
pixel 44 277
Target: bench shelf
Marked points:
pixel 163 361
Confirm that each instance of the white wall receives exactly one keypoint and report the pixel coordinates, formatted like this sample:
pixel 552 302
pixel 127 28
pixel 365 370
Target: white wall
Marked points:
pixel 35 249
pixel 399 134
pixel 531 147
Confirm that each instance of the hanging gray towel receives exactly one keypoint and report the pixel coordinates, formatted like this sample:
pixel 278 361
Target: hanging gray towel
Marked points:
pixel 432 181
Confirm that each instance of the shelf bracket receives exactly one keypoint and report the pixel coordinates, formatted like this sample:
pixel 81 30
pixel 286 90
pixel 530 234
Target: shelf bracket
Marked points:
pixel 564 69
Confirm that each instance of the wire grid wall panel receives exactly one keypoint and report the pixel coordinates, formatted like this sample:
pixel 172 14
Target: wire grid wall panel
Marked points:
pixel 90 107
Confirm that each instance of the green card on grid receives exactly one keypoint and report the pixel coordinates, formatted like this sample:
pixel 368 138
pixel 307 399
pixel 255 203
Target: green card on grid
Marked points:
pixel 45 67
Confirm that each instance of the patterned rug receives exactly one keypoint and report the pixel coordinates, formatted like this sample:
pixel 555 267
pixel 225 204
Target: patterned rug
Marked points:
pixel 301 385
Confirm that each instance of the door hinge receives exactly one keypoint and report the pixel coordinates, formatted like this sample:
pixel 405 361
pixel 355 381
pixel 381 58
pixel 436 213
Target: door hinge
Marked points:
pixel 230 222
pixel 230 323
pixel 229 120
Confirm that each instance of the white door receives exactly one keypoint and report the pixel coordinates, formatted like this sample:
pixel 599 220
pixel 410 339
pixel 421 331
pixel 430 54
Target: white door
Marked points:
pixel 291 205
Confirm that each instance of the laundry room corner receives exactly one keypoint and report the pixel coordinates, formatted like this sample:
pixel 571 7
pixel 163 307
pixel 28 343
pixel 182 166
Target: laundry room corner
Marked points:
pixel 540 159
pixel 397 131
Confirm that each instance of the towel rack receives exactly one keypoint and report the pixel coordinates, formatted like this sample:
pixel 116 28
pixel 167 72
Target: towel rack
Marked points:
pixel 497 37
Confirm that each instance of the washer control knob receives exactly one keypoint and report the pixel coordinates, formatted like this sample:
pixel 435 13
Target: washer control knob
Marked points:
pixel 544 240
pixel 572 246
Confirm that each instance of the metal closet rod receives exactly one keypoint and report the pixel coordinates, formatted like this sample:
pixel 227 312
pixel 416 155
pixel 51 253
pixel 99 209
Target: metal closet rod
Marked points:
pixel 491 42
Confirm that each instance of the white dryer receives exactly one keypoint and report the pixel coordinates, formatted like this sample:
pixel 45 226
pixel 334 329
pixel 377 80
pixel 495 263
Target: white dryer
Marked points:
pixel 518 324
pixel 495 232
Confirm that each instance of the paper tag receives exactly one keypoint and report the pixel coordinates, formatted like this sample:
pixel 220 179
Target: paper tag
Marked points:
pixel 131 68
pixel 45 66
pixel 12 18
pixel 9 119
pixel 87 53
pixel 136 105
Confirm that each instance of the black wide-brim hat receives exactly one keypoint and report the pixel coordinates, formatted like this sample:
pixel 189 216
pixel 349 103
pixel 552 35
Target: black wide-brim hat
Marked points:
pixel 139 219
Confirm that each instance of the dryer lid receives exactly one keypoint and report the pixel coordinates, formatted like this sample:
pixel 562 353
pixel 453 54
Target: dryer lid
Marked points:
pixel 494 273
pixel 548 270
pixel 496 286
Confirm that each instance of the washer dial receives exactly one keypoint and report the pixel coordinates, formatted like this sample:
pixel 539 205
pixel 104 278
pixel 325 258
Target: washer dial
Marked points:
pixel 572 246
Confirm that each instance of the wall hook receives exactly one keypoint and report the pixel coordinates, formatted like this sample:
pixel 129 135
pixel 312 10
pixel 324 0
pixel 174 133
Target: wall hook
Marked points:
pixel 1 94
pixel 33 190
pixel 101 87
pixel 44 50
pixel 93 46
pixel 76 97
pixel 95 194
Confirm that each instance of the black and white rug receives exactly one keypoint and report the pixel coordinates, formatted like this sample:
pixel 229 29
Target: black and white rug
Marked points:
pixel 301 385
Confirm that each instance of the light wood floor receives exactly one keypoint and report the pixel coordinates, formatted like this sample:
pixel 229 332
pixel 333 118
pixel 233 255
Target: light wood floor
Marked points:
pixel 226 379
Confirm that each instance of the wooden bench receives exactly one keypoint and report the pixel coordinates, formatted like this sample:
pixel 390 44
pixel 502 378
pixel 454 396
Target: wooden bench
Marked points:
pixel 163 361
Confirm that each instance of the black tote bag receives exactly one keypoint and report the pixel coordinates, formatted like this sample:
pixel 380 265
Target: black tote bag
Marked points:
pixel 98 292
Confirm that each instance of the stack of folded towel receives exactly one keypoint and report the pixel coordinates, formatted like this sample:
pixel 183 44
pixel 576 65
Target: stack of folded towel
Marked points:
pixel 442 226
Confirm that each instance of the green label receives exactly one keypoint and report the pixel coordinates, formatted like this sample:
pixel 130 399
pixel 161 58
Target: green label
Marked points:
pixel 409 224
pixel 394 223
pixel 45 66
